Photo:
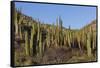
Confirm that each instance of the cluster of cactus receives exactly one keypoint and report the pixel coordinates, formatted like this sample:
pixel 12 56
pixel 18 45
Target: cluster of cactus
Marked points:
pixel 56 35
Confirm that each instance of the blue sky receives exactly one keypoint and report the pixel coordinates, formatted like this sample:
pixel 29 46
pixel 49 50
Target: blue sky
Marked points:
pixel 74 16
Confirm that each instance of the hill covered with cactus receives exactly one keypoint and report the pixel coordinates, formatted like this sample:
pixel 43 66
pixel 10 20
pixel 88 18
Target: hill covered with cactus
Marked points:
pixel 36 43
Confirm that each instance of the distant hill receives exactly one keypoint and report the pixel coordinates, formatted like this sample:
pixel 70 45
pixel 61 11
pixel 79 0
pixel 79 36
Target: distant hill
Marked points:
pixel 91 25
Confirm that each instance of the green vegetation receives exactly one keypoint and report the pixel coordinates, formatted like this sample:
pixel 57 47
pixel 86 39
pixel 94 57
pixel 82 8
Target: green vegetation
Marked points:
pixel 37 43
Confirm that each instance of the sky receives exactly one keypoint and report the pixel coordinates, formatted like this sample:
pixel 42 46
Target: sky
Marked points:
pixel 74 16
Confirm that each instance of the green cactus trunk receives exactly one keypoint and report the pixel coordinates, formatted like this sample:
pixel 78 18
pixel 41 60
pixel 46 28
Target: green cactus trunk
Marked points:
pixel 69 38
pixel 16 22
pixel 39 39
pixel 20 32
pixel 31 40
pixel 48 38
pixel 26 44
pixel 79 41
pixel 40 46
pixel 89 53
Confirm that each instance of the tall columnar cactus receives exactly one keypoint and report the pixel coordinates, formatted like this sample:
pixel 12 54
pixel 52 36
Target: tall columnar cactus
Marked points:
pixel 16 22
pixel 38 36
pixel 79 40
pixel 26 44
pixel 48 38
pixel 69 38
pixel 39 39
pixel 83 38
pixel 20 31
pixel 72 36
pixel 92 38
pixel 20 24
pixel 32 38
pixel 40 46
pixel 65 40
pixel 60 31
pixel 89 53
pixel 53 34
pixel 57 32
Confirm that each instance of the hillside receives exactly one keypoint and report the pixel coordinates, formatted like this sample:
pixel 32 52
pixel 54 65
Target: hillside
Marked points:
pixel 91 25
pixel 38 43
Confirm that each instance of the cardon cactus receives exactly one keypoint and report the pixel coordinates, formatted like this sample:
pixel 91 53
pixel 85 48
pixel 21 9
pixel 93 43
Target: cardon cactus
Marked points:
pixel 40 46
pixel 26 44
pixel 32 38
pixel 89 53
pixel 16 22
pixel 48 38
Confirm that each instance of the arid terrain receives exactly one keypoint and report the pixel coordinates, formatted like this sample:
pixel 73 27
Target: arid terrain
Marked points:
pixel 36 43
